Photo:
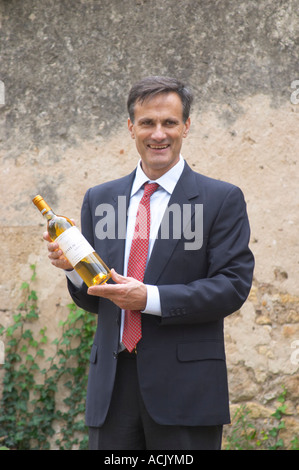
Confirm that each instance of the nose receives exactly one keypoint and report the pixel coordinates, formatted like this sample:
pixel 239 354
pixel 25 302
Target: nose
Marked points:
pixel 158 133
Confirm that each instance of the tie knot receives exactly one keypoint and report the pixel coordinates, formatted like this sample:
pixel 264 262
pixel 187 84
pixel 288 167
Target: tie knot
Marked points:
pixel 150 188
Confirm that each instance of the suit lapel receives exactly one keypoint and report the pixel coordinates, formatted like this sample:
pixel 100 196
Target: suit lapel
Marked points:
pixel 185 190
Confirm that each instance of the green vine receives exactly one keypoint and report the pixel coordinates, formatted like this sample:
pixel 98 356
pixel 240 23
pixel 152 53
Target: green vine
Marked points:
pixel 245 436
pixel 30 417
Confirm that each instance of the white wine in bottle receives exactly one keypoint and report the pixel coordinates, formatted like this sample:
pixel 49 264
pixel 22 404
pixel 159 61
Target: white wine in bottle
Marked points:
pixel 74 246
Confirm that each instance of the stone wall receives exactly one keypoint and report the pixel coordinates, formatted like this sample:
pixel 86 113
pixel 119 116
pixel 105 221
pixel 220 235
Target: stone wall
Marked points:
pixel 66 68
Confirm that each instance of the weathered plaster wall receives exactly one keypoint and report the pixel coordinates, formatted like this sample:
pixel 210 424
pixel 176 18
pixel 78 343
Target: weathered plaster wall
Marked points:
pixel 67 66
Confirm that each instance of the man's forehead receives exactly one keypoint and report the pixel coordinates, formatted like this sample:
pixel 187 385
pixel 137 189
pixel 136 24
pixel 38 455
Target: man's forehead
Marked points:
pixel 161 96
pixel 168 102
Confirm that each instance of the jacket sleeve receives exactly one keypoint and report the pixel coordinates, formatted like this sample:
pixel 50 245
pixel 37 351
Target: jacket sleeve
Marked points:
pixel 230 265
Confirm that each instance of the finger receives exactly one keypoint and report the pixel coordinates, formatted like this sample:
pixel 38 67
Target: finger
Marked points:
pixel 58 259
pixel 109 291
pixel 46 237
pixel 93 290
pixel 118 278
pixel 62 263
pixel 56 254
pixel 104 290
pixel 54 247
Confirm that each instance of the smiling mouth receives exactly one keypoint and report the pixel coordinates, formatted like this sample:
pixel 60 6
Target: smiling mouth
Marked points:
pixel 158 147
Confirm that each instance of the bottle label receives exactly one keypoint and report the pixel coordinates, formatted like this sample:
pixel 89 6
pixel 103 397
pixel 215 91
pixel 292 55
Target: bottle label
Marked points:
pixel 74 245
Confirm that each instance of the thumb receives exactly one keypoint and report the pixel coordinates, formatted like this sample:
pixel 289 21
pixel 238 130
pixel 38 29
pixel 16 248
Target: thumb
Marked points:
pixel 118 278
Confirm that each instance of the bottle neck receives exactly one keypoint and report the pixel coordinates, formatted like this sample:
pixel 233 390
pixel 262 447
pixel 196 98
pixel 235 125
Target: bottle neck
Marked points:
pixel 48 214
pixel 43 207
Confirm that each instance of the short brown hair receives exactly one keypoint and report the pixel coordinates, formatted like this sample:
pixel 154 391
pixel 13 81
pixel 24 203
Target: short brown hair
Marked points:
pixel 152 86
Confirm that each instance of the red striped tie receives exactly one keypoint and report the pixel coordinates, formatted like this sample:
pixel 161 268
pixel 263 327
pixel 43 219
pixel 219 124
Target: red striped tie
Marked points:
pixel 137 263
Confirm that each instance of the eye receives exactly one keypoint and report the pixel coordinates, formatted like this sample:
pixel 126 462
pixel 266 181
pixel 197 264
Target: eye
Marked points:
pixel 146 122
pixel 171 122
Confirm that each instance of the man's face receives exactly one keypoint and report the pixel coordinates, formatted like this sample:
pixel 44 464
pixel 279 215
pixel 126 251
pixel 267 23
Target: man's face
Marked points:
pixel 158 130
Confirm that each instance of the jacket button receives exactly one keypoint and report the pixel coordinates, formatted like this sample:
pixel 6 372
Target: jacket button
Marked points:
pixel 115 354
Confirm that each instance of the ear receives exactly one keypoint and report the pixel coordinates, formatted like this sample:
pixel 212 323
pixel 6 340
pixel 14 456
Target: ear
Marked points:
pixel 130 127
pixel 187 127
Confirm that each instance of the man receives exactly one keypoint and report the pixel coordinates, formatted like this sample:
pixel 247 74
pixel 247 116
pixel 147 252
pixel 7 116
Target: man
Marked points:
pixel 167 389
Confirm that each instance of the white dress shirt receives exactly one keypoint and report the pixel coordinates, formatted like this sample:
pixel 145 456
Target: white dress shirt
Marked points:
pixel 158 204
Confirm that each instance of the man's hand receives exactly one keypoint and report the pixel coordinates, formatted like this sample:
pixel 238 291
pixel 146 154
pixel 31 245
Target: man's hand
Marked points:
pixel 56 255
pixel 127 293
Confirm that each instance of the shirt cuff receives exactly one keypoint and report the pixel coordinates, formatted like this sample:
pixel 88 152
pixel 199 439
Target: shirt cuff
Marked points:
pixel 74 277
pixel 153 304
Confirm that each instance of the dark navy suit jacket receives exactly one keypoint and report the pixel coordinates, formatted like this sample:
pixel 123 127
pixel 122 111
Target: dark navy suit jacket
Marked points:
pixel 181 356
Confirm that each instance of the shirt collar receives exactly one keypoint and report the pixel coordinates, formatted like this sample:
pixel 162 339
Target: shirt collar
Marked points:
pixel 166 181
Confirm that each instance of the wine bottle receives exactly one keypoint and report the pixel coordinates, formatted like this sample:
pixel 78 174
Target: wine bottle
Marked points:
pixel 74 246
